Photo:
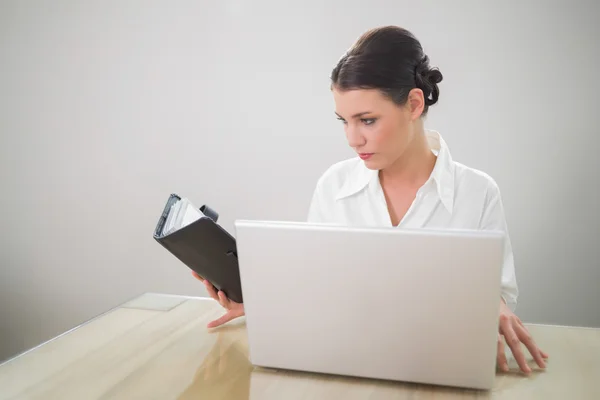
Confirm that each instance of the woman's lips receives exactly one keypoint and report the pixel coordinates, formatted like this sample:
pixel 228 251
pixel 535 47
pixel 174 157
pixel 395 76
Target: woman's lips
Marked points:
pixel 365 156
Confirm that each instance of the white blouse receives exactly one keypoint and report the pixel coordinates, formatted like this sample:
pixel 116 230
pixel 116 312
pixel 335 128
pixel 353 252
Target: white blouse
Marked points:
pixel 454 197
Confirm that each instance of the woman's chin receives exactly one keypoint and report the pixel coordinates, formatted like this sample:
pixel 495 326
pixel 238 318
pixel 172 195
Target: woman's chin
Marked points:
pixel 373 164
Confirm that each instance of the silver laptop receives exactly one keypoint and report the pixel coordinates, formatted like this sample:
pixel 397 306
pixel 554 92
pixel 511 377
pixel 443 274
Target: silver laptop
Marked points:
pixel 387 303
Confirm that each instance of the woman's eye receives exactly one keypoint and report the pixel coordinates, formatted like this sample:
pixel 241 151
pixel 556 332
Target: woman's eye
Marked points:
pixel 368 121
pixel 343 120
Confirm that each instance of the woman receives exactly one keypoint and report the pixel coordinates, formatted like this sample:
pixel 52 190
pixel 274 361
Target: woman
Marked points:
pixel 404 175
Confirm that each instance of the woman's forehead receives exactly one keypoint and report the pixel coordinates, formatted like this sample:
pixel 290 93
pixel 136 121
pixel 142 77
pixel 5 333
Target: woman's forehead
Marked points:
pixel 348 103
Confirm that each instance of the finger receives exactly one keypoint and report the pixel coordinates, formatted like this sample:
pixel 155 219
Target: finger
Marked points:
pixel 222 320
pixel 195 275
pixel 514 343
pixel 501 356
pixel 223 300
pixel 518 320
pixel 543 353
pixel 528 341
pixel 211 290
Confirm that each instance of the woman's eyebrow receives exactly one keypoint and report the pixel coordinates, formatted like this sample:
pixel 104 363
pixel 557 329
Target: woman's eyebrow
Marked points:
pixel 357 115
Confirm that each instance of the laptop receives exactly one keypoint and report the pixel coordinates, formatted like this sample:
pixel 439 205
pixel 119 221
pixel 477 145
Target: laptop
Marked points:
pixel 417 306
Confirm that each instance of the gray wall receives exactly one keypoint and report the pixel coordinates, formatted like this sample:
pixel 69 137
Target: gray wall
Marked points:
pixel 106 107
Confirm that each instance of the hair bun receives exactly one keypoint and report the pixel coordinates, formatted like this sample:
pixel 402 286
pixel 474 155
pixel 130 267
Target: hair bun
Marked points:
pixel 391 59
pixel 434 76
pixel 426 79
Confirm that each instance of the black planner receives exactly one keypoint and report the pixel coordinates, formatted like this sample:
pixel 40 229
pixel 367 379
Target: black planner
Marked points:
pixel 197 240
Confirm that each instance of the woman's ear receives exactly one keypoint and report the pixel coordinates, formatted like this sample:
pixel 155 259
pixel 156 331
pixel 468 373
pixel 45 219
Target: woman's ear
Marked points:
pixel 416 103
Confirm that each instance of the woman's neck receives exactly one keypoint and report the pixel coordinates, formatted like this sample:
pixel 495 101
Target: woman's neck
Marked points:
pixel 414 167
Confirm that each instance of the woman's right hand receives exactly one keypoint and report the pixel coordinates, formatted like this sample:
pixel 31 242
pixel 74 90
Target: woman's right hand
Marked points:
pixel 234 310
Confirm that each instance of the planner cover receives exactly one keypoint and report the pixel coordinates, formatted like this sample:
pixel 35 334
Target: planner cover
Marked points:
pixel 193 236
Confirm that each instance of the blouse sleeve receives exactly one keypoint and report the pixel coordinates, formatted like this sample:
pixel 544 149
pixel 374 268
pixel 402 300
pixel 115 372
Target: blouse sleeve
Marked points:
pixel 493 218
pixel 315 210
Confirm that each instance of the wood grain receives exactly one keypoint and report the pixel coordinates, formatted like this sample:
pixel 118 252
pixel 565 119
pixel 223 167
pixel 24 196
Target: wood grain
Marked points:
pixel 158 347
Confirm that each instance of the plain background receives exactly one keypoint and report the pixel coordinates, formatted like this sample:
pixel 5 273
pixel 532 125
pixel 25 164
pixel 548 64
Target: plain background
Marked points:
pixel 106 107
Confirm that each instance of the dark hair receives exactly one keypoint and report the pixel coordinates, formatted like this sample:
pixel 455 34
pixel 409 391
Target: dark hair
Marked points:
pixel 392 60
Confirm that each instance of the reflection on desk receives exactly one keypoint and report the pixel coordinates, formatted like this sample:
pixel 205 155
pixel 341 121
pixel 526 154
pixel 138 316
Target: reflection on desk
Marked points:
pixel 158 347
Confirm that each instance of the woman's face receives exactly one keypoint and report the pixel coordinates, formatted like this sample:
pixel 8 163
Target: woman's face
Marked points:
pixel 376 128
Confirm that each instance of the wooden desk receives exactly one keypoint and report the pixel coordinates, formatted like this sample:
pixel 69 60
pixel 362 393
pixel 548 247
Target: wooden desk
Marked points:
pixel 158 347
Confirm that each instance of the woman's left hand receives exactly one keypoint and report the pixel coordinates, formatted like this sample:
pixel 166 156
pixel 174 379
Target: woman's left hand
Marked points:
pixel 234 310
pixel 515 333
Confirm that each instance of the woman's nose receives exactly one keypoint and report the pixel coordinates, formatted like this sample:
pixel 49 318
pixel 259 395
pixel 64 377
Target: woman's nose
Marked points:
pixel 355 139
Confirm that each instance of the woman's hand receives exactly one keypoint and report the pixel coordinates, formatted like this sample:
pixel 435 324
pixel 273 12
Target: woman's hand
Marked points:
pixel 515 333
pixel 234 310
